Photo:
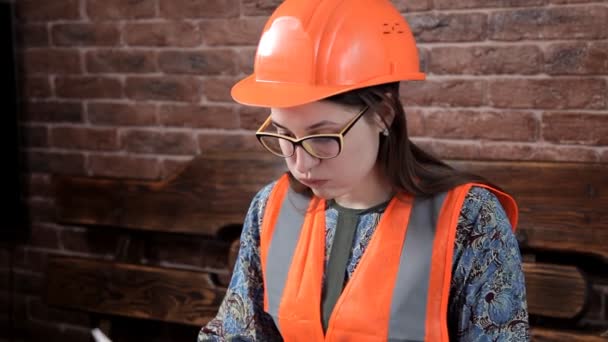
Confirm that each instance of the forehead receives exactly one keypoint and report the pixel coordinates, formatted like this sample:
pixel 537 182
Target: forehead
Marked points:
pixel 311 113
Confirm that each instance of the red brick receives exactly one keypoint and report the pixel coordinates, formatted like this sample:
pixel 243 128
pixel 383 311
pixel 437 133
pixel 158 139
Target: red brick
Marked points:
pixel 223 142
pixel 414 122
pixel 569 1
pixel 461 93
pixel 28 283
pixel 89 241
pixel 45 236
pixel 423 56
pixel 218 88
pixel 514 126
pixel 259 7
pixel 174 34
pixel 199 9
pixel 85 138
pixel 40 210
pixel 32 10
pixel 588 22
pixel 485 60
pixel 252 117
pixel 246 58
pixel 577 58
pixel 245 31
pixel 208 62
pixel 33 35
pixel 85 87
pixel 120 114
pixel 53 111
pixel 39 310
pixel 121 61
pixel 38 185
pixel 548 93
pixel 86 34
pixel 446 149
pixel 458 27
pixel 55 162
pixel 124 166
pixel 447 4
pixel 199 116
pixel 51 61
pixel 140 141
pixel 575 128
pixel 567 154
pixel 34 136
pixel 120 9
pixel 533 152
pixel 165 88
pixel 36 87
pixel 510 152
pixel 604 156
pixel 412 5
pixel 30 259
pixel 171 167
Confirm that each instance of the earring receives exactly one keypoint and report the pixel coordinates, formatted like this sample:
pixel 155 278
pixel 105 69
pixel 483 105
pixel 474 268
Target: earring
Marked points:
pixel 385 132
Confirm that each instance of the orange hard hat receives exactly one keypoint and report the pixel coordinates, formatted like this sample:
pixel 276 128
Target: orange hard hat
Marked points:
pixel 313 49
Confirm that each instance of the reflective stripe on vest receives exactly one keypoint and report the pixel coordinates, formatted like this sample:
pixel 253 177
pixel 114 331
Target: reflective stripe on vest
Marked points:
pixel 399 290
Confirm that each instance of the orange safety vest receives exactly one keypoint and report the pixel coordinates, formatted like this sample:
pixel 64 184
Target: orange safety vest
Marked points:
pixel 400 288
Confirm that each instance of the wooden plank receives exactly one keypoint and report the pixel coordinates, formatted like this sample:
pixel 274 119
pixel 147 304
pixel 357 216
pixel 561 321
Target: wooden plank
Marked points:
pixel 562 205
pixel 546 282
pixel 133 290
pixel 192 297
pixel 211 193
pixel 548 335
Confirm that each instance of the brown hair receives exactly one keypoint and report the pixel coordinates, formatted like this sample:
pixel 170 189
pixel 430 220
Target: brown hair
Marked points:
pixel 408 168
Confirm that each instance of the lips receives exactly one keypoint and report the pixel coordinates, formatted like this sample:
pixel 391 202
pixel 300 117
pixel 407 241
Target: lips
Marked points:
pixel 313 183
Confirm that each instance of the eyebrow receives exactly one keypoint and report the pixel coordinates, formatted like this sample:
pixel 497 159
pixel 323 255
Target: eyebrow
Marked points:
pixel 309 128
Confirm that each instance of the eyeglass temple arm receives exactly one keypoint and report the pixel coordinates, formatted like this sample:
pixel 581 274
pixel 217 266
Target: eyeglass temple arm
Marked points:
pixel 264 125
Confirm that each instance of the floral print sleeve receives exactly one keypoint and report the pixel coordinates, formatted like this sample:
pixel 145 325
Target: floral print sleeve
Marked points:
pixel 488 295
pixel 241 316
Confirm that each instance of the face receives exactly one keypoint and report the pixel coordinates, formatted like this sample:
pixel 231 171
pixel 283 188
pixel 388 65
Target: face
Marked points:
pixel 353 169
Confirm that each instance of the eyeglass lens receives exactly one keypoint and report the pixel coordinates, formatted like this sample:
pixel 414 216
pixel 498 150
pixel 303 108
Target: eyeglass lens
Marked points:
pixel 320 147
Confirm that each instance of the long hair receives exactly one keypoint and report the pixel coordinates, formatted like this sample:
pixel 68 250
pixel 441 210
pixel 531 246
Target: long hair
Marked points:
pixel 407 167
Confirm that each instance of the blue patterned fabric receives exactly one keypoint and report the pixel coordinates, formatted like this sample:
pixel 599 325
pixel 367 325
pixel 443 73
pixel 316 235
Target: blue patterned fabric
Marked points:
pixel 487 295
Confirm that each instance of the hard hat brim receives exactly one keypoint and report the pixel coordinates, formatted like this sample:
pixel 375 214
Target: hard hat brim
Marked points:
pixel 252 92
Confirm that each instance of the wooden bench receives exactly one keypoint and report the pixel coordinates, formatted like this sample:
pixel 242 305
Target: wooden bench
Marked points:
pixel 562 213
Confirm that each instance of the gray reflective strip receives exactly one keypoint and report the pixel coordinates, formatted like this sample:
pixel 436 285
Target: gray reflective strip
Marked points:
pixel 287 233
pixel 408 306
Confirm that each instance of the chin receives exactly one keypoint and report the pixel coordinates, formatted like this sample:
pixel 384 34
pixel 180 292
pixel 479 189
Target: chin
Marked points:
pixel 325 193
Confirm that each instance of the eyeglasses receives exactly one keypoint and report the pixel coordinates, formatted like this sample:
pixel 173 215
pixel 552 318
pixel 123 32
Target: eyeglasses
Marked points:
pixel 322 146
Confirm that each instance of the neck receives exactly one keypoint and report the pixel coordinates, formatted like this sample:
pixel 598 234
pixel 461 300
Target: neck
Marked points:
pixel 375 189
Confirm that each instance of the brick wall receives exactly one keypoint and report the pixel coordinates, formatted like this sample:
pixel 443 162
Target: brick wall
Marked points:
pixel 134 89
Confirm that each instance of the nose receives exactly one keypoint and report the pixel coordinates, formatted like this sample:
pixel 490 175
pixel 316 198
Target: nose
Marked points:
pixel 303 160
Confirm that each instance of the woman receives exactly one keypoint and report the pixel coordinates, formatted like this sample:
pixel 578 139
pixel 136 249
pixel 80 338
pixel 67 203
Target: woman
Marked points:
pixel 367 238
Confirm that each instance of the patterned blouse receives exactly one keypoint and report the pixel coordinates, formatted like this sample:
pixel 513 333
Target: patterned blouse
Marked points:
pixel 487 294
